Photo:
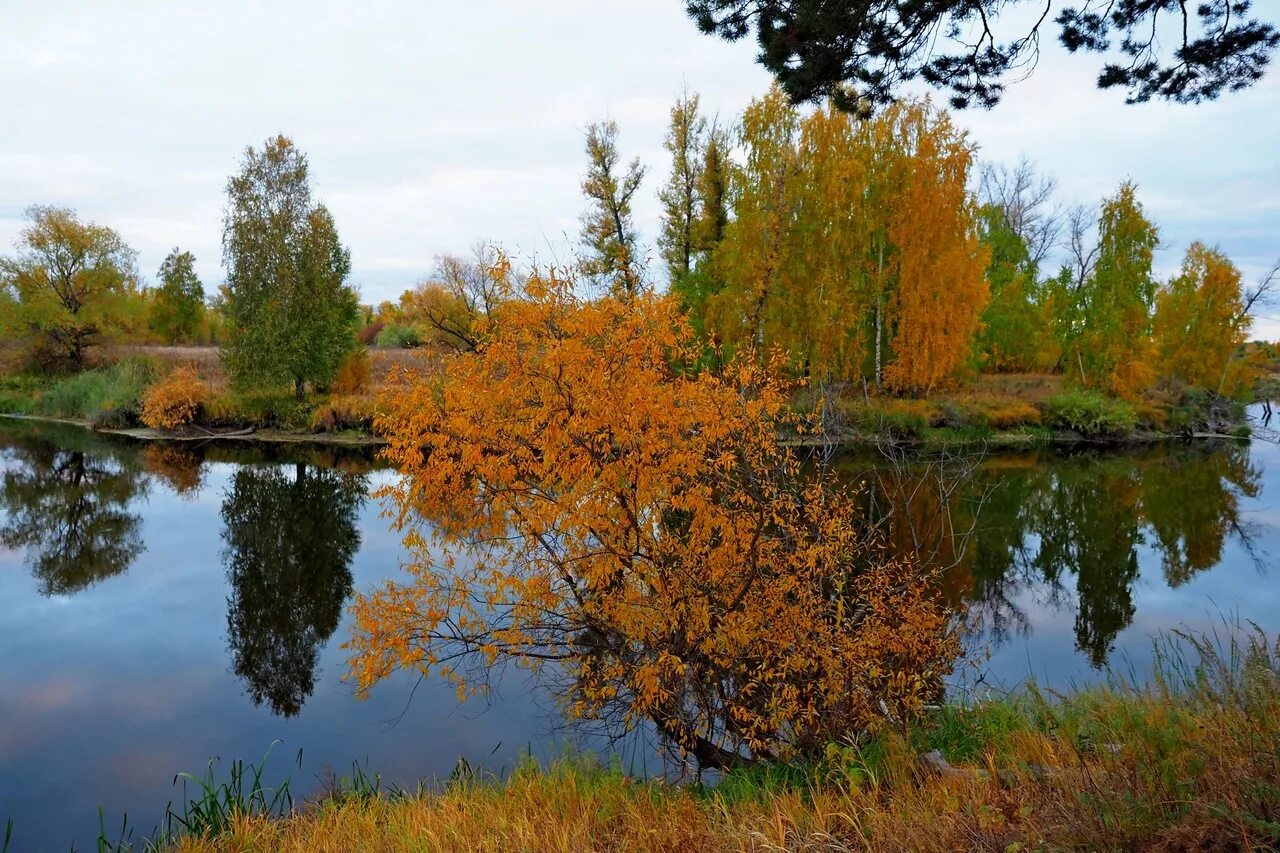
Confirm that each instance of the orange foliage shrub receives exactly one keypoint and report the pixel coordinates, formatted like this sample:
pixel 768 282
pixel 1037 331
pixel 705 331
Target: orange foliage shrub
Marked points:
pixel 174 400
pixel 354 373
pixel 1015 415
pixel 568 496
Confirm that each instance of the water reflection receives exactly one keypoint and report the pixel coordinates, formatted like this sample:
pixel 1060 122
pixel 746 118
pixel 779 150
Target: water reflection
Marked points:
pixel 66 504
pixel 1054 522
pixel 290 538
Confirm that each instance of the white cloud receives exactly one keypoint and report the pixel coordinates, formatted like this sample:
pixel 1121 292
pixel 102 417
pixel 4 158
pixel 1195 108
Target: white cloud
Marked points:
pixel 429 125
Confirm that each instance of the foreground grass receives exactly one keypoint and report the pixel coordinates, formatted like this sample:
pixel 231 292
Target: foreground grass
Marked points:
pixel 1190 761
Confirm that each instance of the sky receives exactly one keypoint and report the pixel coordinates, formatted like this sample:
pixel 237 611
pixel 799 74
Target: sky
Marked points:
pixel 432 125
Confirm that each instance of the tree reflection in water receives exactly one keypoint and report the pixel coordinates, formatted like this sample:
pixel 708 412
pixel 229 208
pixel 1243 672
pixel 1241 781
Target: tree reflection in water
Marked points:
pixel 290 538
pixel 66 503
pixel 1006 525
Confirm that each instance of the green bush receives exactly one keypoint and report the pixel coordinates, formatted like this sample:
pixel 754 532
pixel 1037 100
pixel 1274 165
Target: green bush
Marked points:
pixel 399 336
pixel 106 397
pixel 1090 413
pixel 263 411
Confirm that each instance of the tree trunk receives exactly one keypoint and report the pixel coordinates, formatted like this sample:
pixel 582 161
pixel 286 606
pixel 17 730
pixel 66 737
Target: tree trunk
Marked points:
pixel 299 386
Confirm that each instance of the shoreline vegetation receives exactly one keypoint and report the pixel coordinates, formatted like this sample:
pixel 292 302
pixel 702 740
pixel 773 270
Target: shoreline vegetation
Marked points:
pixel 1186 759
pixel 1007 411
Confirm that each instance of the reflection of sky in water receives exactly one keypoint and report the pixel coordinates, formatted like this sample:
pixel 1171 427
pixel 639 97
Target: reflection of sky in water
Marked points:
pixel 1236 589
pixel 109 691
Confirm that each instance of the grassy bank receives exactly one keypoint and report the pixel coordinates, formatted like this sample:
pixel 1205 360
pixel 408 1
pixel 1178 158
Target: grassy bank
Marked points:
pixel 1191 760
pixel 1003 410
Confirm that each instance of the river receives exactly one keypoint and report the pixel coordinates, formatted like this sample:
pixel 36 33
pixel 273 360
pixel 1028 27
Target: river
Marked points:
pixel 161 605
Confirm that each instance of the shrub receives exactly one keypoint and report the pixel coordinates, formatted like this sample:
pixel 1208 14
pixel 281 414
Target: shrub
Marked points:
pixel 344 413
pixel 369 334
pixel 264 411
pixel 175 400
pixel 1015 415
pixel 105 397
pixel 653 537
pixel 354 374
pixel 399 336
pixel 1090 413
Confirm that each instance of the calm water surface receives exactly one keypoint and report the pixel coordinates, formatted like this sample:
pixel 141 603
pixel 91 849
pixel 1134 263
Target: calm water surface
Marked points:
pixel 161 605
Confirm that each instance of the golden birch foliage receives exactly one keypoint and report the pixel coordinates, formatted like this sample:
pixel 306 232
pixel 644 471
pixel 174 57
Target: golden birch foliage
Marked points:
pixel 568 497
pixel 854 243
pixel 758 241
pixel 831 292
pixel 1200 321
pixel 941 288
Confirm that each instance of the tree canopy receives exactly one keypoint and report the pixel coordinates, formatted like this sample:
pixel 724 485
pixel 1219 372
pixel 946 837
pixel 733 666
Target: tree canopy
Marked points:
pixel 179 300
pixel 290 313
pixel 69 282
pixel 861 53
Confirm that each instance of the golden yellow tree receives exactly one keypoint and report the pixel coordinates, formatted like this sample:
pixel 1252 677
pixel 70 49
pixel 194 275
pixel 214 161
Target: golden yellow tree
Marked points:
pixel 939 263
pixel 1200 321
pixel 754 257
pixel 568 498
pixel 854 244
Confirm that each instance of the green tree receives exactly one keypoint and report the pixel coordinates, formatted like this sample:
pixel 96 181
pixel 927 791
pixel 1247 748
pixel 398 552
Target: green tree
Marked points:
pixel 290 315
pixel 1012 324
pixel 681 205
pixel 70 282
pixel 179 300
pixel 289 546
pixel 863 52
pixel 608 232
pixel 713 195
pixel 1113 349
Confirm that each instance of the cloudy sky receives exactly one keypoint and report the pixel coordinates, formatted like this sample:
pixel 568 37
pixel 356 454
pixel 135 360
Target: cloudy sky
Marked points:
pixel 430 125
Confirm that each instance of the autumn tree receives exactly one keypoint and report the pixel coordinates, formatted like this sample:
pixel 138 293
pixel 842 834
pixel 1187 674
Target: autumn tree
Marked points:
pixel 1112 347
pixel 940 290
pixel 753 256
pixel 712 191
pixel 69 283
pixel 455 305
pixel 853 245
pixel 1200 319
pixel 681 205
pixel 863 53
pixel 570 499
pixel 290 314
pixel 179 300
pixel 608 230
pixel 1011 338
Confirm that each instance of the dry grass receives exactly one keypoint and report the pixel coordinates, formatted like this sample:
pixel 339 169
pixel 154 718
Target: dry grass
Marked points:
pixel 1191 763
pixel 382 361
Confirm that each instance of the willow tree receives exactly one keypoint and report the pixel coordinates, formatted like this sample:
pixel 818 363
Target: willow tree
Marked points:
pixel 291 316
pixel 1199 319
pixel 574 503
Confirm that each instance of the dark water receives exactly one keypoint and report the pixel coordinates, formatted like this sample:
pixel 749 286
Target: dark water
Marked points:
pixel 162 605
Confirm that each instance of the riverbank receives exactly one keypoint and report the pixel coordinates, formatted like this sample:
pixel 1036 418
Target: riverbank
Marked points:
pixel 1191 761
pixel 998 412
